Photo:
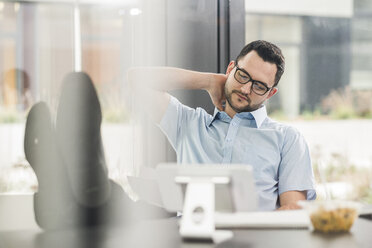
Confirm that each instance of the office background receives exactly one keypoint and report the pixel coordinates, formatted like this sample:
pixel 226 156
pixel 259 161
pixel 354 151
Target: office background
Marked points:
pixel 326 91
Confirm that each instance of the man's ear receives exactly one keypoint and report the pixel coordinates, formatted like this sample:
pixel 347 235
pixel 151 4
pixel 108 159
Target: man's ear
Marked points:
pixel 272 92
pixel 230 67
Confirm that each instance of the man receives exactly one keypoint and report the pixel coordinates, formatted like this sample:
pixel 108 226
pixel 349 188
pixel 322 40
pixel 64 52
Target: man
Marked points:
pixel 239 131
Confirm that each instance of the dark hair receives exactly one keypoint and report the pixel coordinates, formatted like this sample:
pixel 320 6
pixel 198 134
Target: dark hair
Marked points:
pixel 269 53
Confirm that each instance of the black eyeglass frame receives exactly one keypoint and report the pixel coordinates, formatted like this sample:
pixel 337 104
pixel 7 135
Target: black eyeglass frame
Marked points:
pixel 254 82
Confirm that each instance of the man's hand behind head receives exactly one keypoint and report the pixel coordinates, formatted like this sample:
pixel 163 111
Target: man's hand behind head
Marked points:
pixel 216 89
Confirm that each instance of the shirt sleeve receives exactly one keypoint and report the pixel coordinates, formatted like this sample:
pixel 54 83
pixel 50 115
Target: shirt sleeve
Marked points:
pixel 173 120
pixel 295 170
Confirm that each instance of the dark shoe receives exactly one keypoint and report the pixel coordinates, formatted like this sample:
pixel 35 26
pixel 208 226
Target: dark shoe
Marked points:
pixel 38 145
pixel 53 203
pixel 78 129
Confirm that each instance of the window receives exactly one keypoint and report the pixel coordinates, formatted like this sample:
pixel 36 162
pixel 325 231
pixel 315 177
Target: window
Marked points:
pixel 326 90
pixel 40 43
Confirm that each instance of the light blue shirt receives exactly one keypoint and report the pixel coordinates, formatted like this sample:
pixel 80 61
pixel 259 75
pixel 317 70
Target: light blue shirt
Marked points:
pixel 278 153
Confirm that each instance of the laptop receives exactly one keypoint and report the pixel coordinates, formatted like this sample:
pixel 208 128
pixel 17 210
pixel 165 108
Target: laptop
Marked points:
pixel 158 187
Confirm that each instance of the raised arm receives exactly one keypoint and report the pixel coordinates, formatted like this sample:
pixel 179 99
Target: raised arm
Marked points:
pixel 150 86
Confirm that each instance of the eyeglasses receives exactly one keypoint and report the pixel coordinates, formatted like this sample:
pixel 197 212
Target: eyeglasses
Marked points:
pixel 243 77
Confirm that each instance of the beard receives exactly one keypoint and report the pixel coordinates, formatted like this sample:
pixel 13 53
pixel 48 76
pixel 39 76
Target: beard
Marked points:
pixel 249 107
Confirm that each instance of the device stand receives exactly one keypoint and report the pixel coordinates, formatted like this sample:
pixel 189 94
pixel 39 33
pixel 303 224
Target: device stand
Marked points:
pixel 198 212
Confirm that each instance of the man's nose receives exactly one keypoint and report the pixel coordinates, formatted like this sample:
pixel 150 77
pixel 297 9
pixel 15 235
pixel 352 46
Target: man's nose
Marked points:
pixel 246 88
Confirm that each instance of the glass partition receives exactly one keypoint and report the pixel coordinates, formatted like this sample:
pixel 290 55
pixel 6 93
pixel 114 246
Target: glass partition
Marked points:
pixel 325 92
pixel 40 43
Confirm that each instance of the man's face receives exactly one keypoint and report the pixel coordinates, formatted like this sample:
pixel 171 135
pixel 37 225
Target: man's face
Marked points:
pixel 240 97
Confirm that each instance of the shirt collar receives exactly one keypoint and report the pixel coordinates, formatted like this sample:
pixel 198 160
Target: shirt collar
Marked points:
pixel 221 115
pixel 259 115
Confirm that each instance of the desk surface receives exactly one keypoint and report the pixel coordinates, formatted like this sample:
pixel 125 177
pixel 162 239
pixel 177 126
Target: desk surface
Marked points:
pixel 164 233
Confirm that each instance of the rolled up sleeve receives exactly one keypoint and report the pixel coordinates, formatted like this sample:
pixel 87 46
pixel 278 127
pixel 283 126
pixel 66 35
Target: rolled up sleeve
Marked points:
pixel 295 170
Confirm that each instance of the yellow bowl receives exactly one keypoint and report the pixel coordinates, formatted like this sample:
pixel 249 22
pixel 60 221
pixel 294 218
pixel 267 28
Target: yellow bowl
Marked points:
pixel 331 216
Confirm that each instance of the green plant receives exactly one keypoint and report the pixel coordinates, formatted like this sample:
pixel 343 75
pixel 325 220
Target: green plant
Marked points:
pixel 347 103
pixel 367 195
pixel 339 169
pixel 18 178
pixel 311 115
pixel 115 115
pixel 278 114
pixel 363 103
pixel 10 116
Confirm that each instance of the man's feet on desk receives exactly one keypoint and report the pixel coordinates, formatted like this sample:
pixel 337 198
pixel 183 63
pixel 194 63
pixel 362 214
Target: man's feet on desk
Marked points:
pixel 74 188
pixel 53 202
pixel 78 128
